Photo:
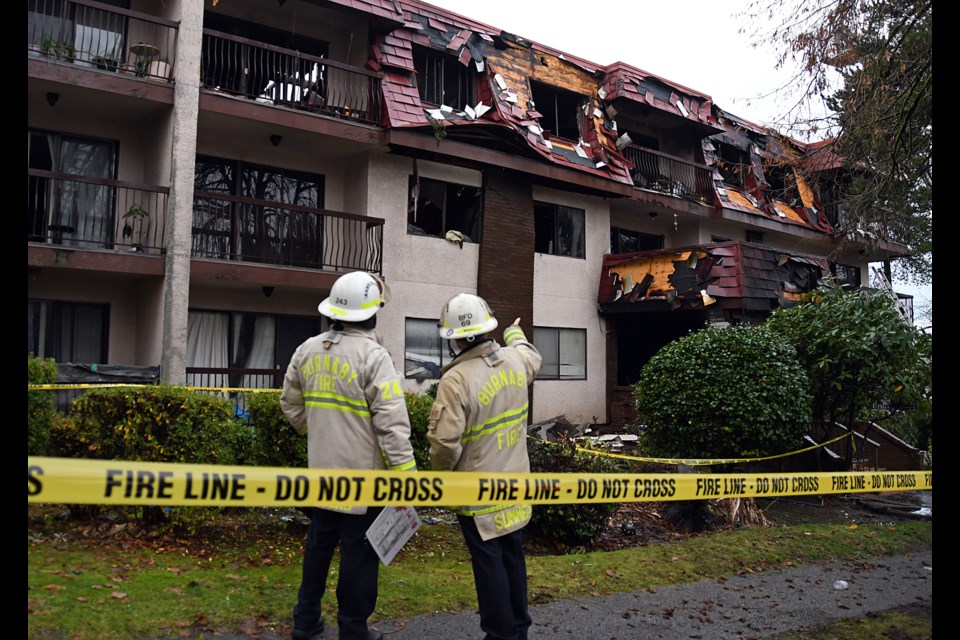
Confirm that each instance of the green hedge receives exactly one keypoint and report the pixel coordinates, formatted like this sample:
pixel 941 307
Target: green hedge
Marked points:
pixel 41 405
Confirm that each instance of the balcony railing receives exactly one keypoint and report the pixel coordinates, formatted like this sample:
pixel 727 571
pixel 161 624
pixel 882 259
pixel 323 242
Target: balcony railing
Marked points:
pixel 95 35
pixel 277 76
pixel 669 175
pixel 95 213
pixel 250 230
pixel 225 382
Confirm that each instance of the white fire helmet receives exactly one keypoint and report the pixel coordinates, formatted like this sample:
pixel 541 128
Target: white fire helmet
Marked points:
pixel 464 316
pixel 355 297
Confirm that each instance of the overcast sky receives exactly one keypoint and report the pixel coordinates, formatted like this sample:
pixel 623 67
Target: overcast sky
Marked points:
pixel 695 43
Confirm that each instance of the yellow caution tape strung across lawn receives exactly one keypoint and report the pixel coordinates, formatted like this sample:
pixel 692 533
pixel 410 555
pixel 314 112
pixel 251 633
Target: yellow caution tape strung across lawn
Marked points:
pixel 706 462
pixel 79 481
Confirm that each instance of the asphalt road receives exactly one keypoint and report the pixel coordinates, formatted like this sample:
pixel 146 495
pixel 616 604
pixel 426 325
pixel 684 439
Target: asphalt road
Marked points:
pixel 744 607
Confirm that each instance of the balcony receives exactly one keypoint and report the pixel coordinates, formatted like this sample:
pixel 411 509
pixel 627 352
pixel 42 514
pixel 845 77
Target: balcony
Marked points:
pixel 276 76
pixel 250 230
pixel 92 35
pixel 95 213
pixel 669 175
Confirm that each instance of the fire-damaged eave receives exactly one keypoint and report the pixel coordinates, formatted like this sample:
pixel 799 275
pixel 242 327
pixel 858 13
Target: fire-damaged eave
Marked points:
pixel 506 64
pixel 621 80
pixel 732 275
pixel 764 148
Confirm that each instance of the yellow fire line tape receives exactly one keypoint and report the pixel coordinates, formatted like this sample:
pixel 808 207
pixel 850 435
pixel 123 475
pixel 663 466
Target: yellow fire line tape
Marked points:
pixel 701 462
pixel 80 481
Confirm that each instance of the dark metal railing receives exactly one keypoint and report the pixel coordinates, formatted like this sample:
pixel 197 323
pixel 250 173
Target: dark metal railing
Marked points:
pixel 278 76
pixel 669 175
pixel 226 383
pixel 95 35
pixel 95 213
pixel 250 230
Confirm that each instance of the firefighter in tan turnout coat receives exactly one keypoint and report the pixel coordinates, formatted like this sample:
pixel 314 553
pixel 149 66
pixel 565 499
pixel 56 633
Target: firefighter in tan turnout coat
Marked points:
pixel 479 423
pixel 343 390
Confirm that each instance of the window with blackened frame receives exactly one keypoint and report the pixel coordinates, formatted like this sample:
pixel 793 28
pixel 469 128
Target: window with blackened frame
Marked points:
pixel 564 353
pixel 425 352
pixel 436 207
pixel 559 230
pixel 733 163
pixel 443 80
pixel 628 241
pixel 559 110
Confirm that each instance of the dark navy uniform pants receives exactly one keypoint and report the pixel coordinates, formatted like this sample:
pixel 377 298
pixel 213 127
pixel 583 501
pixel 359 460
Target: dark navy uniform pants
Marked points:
pixel 359 571
pixel 500 573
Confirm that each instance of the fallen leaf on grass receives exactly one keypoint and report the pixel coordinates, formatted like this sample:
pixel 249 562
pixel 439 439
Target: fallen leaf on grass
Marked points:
pixel 119 595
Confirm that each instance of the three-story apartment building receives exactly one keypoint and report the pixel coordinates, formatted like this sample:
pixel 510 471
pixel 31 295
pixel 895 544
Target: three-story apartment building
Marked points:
pixel 201 171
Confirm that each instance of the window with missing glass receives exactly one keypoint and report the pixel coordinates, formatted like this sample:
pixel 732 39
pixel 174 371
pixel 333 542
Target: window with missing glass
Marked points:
pixel 436 207
pixel 559 230
pixel 559 110
pixel 846 274
pixel 443 80
pixel 564 353
pixel 425 352
pixel 733 163
pixel 628 241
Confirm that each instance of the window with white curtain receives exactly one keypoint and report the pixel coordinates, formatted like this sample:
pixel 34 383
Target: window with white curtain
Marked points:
pixel 564 353
pixel 237 340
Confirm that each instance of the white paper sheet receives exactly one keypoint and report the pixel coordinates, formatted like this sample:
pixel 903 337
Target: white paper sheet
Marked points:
pixel 391 530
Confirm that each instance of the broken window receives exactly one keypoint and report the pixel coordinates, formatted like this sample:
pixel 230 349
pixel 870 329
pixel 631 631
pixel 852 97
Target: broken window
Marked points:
pixel 755 237
pixel 564 353
pixel 733 163
pixel 782 184
pixel 627 241
pixel 559 230
pixel 846 274
pixel 436 207
pixel 559 109
pixel 443 80
pixel 423 354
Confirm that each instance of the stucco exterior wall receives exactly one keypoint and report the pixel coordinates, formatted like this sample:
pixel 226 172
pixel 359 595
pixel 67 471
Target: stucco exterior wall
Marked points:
pixel 565 295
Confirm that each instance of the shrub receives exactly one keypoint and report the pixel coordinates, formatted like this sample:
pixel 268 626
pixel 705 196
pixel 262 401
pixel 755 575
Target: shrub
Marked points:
pixel 418 407
pixel 278 443
pixel 41 405
pixel 723 392
pixel 156 424
pixel 568 525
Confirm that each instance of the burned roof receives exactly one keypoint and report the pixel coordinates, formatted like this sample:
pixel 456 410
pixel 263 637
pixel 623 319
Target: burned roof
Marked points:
pixel 735 275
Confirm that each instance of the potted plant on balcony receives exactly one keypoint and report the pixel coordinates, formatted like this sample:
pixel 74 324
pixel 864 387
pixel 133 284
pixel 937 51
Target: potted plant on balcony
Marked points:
pixel 60 50
pixel 135 226
pixel 157 68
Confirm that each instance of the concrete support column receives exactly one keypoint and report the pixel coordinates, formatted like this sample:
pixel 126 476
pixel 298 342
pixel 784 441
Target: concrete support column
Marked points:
pixel 176 296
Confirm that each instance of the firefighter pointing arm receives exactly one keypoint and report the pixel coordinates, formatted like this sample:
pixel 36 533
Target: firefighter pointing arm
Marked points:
pixel 479 423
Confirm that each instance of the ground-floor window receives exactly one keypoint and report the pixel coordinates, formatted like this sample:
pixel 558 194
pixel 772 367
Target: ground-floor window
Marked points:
pixel 238 340
pixel 425 352
pixel 564 353
pixel 68 331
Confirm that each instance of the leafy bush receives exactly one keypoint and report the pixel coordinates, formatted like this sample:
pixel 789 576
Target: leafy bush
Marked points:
pixel 723 392
pixel 41 405
pixel 568 525
pixel 278 443
pixel 858 352
pixel 418 408
pixel 156 424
